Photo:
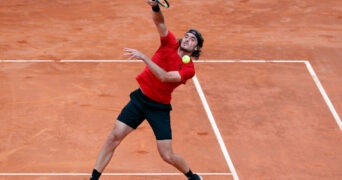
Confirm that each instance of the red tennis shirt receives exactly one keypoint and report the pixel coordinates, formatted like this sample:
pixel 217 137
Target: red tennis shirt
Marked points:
pixel 167 58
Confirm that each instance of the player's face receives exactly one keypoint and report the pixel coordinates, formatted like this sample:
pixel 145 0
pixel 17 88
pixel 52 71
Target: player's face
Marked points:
pixel 189 42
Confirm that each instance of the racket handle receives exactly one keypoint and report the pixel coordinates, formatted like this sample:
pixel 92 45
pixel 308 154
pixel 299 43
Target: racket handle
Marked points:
pixel 156 8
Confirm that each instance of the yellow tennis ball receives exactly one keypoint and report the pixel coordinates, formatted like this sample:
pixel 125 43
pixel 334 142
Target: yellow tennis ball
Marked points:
pixel 186 59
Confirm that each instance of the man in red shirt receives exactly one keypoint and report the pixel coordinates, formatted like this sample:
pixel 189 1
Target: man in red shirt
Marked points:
pixel 162 74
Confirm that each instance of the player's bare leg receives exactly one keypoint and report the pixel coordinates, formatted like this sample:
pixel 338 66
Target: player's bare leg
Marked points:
pixel 119 132
pixel 167 154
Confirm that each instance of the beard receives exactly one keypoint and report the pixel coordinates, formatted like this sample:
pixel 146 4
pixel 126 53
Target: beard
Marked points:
pixel 184 49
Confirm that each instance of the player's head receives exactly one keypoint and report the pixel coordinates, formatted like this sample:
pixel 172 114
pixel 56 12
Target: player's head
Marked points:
pixel 192 42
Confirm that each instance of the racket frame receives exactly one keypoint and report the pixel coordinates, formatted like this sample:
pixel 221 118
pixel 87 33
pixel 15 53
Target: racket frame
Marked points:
pixel 163 3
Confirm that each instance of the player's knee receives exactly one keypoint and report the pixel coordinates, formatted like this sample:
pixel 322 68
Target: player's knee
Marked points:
pixel 113 140
pixel 167 157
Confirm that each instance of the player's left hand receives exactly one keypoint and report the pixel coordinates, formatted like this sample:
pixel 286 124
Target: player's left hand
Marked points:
pixel 134 54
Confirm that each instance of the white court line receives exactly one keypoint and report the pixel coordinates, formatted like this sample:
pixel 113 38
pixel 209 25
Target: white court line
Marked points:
pixel 250 61
pixel 110 174
pixel 25 61
pixel 215 128
pixel 130 61
pixel 104 61
pixel 324 94
pixel 311 71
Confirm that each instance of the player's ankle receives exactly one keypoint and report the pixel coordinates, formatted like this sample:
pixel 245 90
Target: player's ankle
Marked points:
pixel 95 175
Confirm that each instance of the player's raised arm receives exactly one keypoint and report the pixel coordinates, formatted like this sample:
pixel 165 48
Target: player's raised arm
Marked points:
pixel 158 18
pixel 160 73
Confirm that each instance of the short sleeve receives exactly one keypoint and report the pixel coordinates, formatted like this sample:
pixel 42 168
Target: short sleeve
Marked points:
pixel 187 72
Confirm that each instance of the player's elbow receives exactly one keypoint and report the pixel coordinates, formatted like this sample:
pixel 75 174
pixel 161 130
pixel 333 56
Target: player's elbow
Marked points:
pixel 170 77
pixel 163 78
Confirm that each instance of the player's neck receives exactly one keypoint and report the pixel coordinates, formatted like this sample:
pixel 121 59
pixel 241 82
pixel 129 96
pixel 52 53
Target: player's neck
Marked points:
pixel 182 52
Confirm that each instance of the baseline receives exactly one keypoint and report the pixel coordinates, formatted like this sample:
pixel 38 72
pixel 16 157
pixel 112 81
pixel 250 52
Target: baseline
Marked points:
pixel 111 174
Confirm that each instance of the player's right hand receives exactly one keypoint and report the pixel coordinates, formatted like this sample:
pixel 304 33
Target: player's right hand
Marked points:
pixel 151 2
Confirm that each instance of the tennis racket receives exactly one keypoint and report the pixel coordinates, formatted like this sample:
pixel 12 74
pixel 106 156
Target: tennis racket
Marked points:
pixel 163 3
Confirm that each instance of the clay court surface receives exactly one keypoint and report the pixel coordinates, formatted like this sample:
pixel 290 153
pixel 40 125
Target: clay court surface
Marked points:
pixel 265 103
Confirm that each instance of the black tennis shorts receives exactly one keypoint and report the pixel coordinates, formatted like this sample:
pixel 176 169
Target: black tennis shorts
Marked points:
pixel 140 107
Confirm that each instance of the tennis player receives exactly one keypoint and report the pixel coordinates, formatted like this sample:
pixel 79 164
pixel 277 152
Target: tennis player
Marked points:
pixel 151 101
